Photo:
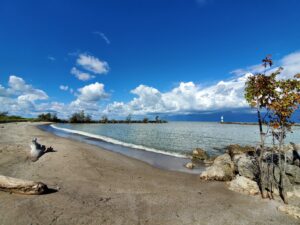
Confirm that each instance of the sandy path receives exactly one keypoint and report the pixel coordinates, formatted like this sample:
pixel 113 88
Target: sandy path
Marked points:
pixel 102 187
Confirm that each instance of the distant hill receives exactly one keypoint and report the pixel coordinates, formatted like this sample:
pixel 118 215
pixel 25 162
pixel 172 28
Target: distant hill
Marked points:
pixel 229 116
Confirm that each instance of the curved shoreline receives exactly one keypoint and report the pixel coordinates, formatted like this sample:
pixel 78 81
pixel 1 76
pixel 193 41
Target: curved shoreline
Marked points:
pixel 117 142
pixel 153 158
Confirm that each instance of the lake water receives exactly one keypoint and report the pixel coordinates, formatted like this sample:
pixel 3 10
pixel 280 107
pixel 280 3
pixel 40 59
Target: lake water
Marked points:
pixel 174 138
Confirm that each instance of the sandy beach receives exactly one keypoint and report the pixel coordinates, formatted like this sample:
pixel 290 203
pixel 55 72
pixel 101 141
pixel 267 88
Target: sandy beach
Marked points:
pixel 97 186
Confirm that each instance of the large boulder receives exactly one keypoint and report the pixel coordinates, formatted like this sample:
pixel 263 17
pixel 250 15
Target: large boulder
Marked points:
pixel 217 172
pixel 285 180
pixel 293 173
pixel 272 180
pixel 221 170
pixel 244 185
pixel 199 154
pixel 247 167
pixel 223 160
pixel 236 149
pixel 291 153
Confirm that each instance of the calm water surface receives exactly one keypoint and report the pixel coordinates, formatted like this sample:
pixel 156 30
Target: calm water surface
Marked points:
pixel 174 138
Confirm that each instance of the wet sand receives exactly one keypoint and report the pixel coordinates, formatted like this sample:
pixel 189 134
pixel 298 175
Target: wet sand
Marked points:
pixel 97 186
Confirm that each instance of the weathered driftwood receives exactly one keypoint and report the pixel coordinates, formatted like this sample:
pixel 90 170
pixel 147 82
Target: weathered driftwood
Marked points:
pixel 15 185
pixel 37 150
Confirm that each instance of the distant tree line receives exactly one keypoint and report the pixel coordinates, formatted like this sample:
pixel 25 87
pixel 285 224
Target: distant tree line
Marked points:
pixel 49 117
pixel 129 119
pixel 5 118
pixel 77 117
pixel 80 117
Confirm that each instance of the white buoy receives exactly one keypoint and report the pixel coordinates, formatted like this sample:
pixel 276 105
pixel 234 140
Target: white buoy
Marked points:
pixel 222 119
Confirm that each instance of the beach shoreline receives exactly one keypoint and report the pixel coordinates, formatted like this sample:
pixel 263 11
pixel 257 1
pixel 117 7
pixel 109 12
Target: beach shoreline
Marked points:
pixel 96 186
pixel 153 157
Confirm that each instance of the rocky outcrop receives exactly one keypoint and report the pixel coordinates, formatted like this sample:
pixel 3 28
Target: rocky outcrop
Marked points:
pixel 221 170
pixel 272 179
pixel 293 173
pixel 243 185
pixel 239 167
pixel 199 154
pixel 247 167
pixel 233 150
pixel 224 159
pixel 217 172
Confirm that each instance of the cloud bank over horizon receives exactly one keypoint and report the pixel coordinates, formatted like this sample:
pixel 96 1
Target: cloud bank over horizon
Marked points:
pixel 21 98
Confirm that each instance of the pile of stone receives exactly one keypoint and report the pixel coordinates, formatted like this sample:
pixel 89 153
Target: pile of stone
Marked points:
pixel 239 168
pixel 199 157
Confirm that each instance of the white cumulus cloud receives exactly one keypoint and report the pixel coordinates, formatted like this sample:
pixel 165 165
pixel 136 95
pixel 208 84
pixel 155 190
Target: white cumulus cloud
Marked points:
pixel 93 64
pixel 81 75
pixel 290 64
pixel 20 97
pixel 186 98
pixel 18 86
pixel 189 97
pixel 92 93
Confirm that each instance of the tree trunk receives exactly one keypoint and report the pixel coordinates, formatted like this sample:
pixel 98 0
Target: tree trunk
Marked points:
pixel 282 188
pixel 262 185
pixel 260 126
pixel 15 185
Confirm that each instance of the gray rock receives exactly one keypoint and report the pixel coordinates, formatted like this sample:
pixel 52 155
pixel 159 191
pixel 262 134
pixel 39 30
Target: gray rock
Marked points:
pixel 285 179
pixel 218 172
pixel 271 180
pixel 243 185
pixel 296 152
pixel 293 173
pixel 199 154
pixel 247 167
pixel 233 150
pixel 221 170
pixel 224 159
pixel 190 165
pixel 289 156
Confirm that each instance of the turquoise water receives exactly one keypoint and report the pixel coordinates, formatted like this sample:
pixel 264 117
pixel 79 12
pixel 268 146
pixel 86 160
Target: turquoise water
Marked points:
pixel 173 138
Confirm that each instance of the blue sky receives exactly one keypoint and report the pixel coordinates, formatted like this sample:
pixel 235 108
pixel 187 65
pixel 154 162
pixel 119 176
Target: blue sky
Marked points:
pixel 139 56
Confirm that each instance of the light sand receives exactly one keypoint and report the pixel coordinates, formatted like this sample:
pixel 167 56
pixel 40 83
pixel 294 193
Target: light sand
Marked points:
pixel 102 187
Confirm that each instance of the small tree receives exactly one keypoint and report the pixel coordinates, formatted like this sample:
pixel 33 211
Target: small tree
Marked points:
pixel 104 119
pixel 78 117
pixel 88 118
pixel 128 118
pixel 279 99
pixel 50 117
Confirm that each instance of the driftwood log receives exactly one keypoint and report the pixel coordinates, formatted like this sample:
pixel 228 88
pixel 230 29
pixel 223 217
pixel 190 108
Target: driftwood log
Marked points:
pixel 15 185
pixel 37 150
